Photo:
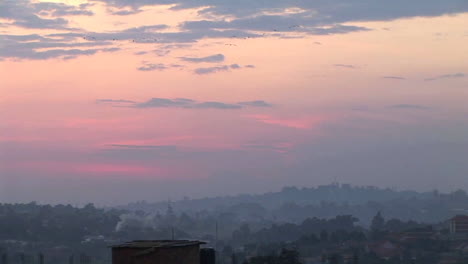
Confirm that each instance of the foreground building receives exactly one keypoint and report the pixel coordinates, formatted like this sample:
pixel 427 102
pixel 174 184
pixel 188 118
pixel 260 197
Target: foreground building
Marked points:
pixel 459 225
pixel 162 252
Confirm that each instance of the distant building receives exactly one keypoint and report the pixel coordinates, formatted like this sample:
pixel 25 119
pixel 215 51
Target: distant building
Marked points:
pixel 386 249
pixel 459 224
pixel 159 252
pixel 420 233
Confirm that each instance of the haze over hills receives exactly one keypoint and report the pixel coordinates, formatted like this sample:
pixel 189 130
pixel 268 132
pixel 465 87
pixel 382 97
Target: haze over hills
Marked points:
pixel 293 204
pixel 336 193
pixel 301 215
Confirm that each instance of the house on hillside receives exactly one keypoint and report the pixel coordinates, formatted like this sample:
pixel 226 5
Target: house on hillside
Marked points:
pixel 420 233
pixel 459 224
pixel 385 249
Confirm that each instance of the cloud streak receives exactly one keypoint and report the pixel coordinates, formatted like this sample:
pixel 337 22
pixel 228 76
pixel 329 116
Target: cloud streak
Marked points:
pixel 394 77
pixel 258 103
pixel 446 76
pixel 220 68
pixel 119 101
pixel 184 103
pixel 409 106
pixel 348 66
pixel 209 59
pixel 37 47
pixel 147 66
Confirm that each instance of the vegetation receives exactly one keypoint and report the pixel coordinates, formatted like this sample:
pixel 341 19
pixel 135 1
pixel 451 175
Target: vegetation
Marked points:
pixel 245 232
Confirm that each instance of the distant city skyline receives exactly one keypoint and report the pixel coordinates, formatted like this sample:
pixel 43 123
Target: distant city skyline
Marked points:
pixel 117 101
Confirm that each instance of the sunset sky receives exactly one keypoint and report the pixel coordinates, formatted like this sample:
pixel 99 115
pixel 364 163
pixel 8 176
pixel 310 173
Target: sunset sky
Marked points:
pixel 112 101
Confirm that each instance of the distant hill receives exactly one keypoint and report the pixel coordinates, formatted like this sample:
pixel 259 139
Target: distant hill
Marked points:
pixel 293 204
pixel 335 193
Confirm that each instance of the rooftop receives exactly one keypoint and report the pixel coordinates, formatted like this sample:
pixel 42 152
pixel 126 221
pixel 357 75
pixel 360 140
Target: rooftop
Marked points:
pixel 460 218
pixel 144 244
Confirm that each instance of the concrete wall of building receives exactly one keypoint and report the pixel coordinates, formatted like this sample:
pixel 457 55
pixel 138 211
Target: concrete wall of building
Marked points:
pixel 123 255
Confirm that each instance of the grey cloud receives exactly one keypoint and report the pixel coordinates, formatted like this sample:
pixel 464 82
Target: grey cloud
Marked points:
pixel 143 34
pixel 221 68
pixel 55 53
pixel 166 49
pixel 24 13
pixel 140 53
pixel 215 105
pixel 29 37
pixel 60 9
pixel 152 67
pixel 349 66
pixel 110 49
pixel 152 147
pixel 147 66
pixel 184 103
pixel 251 17
pixel 325 12
pixel 336 29
pixel 29 47
pixel 447 76
pixel 150 34
pixel 26 42
pixel 164 102
pixel 212 58
pixel 409 106
pixel 274 23
pixel 258 103
pixel 124 12
pixel 25 49
pixel 394 77
pixel 208 70
pixel 162 53
pixel 147 28
pixel 176 46
pixel 34 21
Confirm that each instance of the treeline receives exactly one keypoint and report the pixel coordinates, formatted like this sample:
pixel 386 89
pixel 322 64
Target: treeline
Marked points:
pixel 59 224
pixel 63 231
pixel 314 230
pixel 325 240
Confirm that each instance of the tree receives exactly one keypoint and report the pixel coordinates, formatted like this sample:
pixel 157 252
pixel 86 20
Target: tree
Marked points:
pixel 377 226
pixel 378 222
pixel 323 236
pixel 289 256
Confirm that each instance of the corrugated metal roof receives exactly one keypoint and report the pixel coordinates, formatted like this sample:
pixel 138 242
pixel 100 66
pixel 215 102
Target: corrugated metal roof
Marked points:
pixel 158 243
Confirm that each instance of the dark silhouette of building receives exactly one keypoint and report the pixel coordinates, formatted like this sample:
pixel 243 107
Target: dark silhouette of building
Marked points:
pixel 158 252
pixel 207 256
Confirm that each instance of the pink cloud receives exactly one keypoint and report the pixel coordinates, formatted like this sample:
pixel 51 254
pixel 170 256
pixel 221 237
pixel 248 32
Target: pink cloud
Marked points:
pixel 298 123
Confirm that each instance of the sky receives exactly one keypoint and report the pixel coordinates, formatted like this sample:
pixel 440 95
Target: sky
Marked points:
pixel 122 100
